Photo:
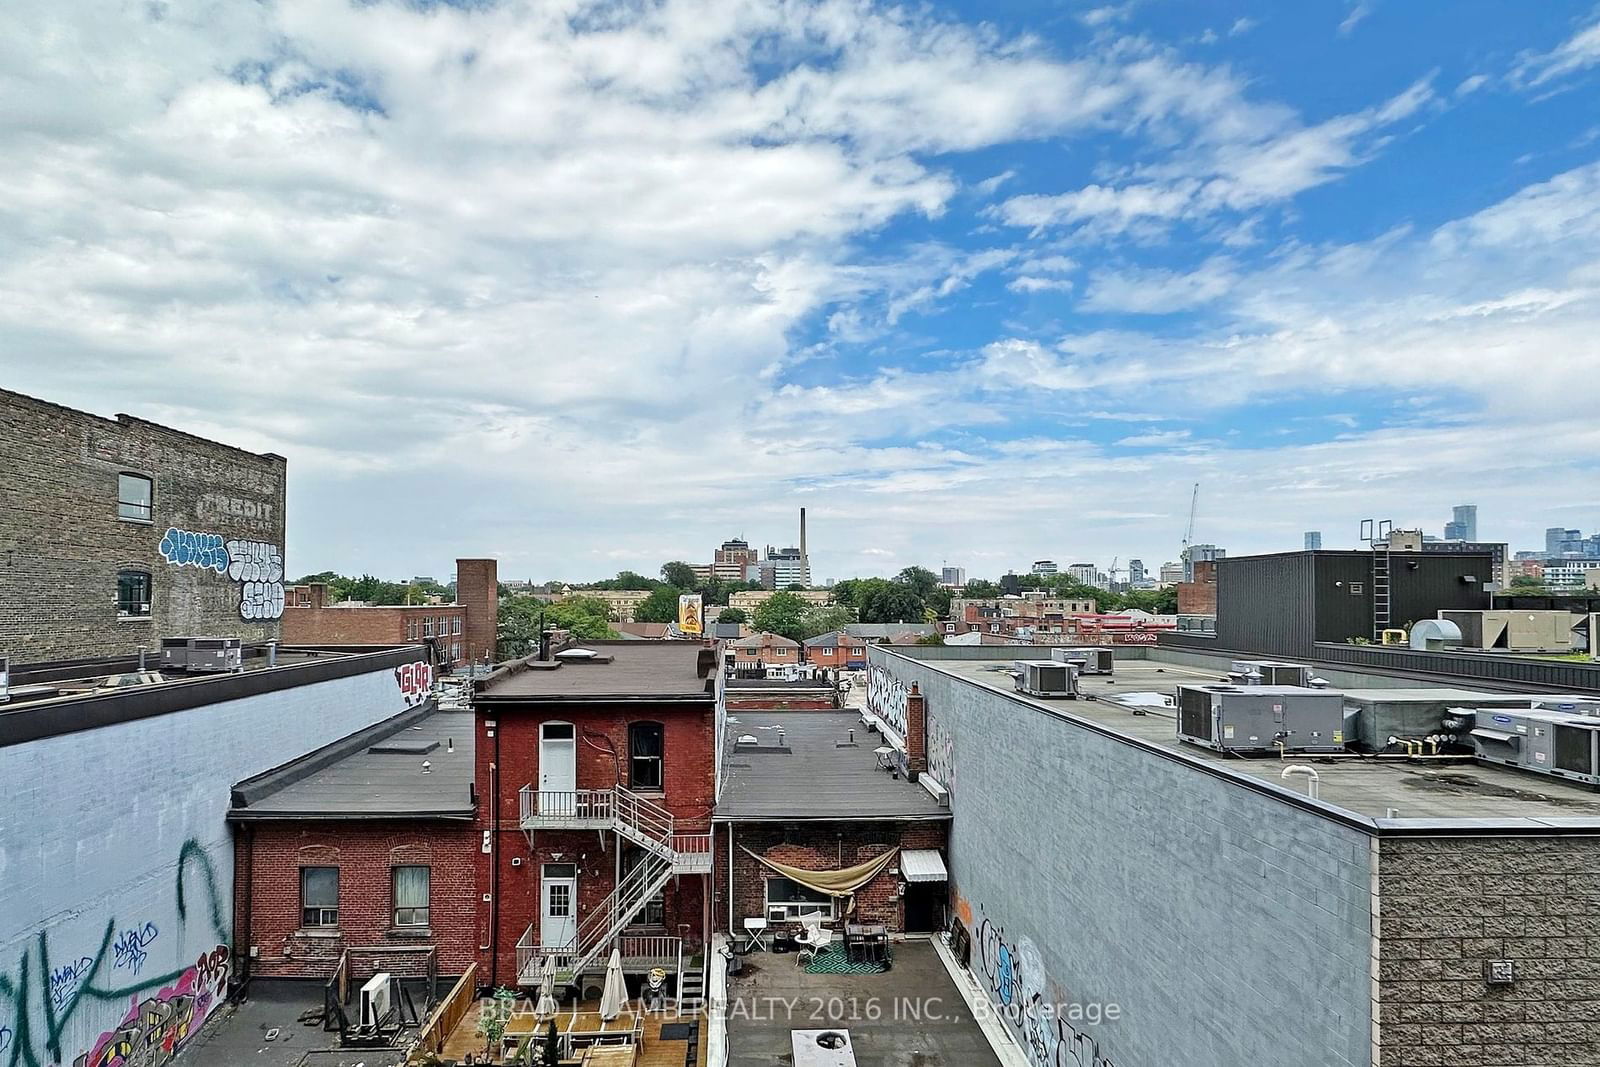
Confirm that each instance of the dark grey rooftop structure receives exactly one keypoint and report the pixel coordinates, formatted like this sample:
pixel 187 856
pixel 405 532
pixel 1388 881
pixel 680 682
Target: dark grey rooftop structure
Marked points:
pixel 417 765
pixel 817 772
pixel 605 671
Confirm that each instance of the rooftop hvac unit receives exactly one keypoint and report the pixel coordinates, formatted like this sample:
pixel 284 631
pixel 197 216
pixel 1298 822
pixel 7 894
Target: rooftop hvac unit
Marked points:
pixel 1269 672
pixel 375 999
pixel 1090 660
pixel 1556 743
pixel 202 653
pixel 1570 705
pixel 822 1048
pixel 1261 718
pixel 1046 678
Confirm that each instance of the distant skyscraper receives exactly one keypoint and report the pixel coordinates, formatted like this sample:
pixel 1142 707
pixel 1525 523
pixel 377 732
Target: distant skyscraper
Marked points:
pixel 1199 554
pixel 1135 572
pixel 1559 541
pixel 1313 540
pixel 1171 573
pixel 1044 566
pixel 1463 524
pixel 954 577
pixel 1083 572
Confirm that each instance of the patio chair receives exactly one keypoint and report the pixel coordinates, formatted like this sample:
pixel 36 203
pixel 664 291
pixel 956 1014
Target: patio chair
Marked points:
pixel 814 945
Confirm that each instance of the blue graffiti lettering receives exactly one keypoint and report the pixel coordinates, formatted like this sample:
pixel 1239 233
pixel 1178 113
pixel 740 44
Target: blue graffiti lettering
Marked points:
pixel 129 948
pixel 184 548
pixel 64 980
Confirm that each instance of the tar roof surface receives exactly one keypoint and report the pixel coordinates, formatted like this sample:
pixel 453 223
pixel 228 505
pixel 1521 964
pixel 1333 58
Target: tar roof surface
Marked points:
pixel 637 669
pixel 348 780
pixel 816 780
pixel 1456 791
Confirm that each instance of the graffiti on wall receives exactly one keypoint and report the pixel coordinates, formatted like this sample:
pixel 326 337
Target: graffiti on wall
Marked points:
pixel 256 565
pixel 415 681
pixel 1052 1029
pixel 941 745
pixel 158 1026
pixel 39 999
pixel 886 698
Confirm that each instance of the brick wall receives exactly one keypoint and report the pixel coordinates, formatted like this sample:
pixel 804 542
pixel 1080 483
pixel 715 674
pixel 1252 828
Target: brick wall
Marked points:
pixel 821 846
pixel 364 852
pixel 62 543
pixel 1447 907
pixel 602 760
pixel 387 625
pixel 478 591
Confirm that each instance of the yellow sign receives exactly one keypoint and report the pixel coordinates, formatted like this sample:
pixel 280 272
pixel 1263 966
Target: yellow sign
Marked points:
pixel 689 614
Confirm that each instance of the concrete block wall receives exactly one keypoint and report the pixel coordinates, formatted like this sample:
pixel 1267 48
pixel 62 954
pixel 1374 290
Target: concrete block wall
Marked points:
pixel 365 852
pixel 117 863
pixel 62 543
pixel 1227 927
pixel 1448 907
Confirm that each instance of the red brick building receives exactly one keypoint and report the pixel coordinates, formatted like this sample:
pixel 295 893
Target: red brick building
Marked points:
pixel 807 790
pixel 1199 597
pixel 459 633
pixel 366 846
pixel 596 773
pixel 837 651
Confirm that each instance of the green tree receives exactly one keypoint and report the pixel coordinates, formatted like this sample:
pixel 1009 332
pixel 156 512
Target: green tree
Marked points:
pixel 660 606
pixel 822 620
pixel 518 624
pixel 733 615
pixel 678 574
pixel 931 639
pixel 627 580
pixel 782 614
pixel 920 580
pixel 878 600
pixel 980 589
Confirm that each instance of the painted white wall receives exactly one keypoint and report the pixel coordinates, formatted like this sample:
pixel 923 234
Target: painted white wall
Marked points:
pixel 94 827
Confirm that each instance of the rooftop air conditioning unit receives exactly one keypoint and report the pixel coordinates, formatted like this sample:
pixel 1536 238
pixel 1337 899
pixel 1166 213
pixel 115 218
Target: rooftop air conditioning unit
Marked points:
pixel 1046 678
pixel 1269 672
pixel 1090 660
pixel 1571 705
pixel 1556 743
pixel 1261 719
pixel 202 653
pixel 375 999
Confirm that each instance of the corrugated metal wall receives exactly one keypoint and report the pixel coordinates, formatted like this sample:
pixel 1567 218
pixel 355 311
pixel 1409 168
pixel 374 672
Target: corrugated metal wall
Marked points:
pixel 1266 603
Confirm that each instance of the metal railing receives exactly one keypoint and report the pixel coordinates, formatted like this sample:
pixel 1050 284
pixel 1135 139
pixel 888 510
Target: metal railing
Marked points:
pixel 565 806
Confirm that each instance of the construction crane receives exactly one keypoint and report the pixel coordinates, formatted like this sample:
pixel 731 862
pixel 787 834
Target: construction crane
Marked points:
pixel 1114 570
pixel 1194 501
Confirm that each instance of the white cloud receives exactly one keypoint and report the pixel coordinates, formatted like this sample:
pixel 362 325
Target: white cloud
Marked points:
pixel 1158 292
pixel 1357 14
pixel 1028 283
pixel 1472 84
pixel 1577 53
pixel 1242 26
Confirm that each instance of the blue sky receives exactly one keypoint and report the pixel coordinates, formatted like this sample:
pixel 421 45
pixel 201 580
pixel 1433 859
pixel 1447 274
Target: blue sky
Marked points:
pixel 595 285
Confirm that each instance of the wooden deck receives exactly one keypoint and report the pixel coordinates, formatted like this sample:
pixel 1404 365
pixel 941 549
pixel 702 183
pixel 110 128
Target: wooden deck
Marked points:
pixel 653 1052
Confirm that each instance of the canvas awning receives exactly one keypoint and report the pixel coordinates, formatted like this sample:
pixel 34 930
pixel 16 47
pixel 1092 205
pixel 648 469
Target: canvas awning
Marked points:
pixel 923 865
pixel 836 883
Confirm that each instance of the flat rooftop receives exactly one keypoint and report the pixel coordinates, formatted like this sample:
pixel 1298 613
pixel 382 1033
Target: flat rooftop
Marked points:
pixel 805 766
pixel 608 670
pixel 1444 790
pixel 415 765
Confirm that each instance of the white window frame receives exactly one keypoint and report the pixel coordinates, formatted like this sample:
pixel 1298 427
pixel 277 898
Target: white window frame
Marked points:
pixel 790 910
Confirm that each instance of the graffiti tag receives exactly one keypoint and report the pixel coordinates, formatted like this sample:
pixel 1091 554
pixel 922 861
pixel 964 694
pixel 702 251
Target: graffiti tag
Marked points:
pixel 415 681
pixel 258 567
pixel 886 698
pixel 129 948
pixel 941 753
pixel 1016 975
pixel 64 980
pixel 185 548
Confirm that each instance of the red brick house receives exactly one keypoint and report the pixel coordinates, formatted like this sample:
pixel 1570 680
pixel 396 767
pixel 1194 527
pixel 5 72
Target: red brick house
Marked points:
pixel 459 633
pixel 807 790
pixel 365 846
pixel 596 772
pixel 766 650
pixel 838 651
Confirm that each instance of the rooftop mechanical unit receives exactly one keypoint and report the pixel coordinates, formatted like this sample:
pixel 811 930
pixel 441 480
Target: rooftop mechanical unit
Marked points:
pixel 1046 678
pixel 1094 659
pixel 1571 705
pixel 1269 672
pixel 1258 719
pixel 1556 743
pixel 821 1048
pixel 376 999
pixel 202 653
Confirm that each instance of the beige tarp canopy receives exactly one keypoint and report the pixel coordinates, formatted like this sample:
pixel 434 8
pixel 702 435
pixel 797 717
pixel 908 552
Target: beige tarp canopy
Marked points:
pixel 838 883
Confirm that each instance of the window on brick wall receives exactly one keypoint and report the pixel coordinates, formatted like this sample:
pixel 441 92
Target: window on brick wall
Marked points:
pixel 455 626
pixel 319 896
pixel 644 755
pixel 427 626
pixel 787 900
pixel 135 497
pixel 411 895
pixel 455 651
pixel 133 594
pixel 654 912
pixel 411 627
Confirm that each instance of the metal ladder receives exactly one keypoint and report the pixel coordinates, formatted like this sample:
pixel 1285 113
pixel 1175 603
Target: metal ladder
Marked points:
pixel 1378 534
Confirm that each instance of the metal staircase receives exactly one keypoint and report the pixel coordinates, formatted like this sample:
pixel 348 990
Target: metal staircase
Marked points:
pixel 665 853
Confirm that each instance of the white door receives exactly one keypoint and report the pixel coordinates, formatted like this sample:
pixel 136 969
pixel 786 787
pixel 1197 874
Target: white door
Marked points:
pixel 558 922
pixel 558 768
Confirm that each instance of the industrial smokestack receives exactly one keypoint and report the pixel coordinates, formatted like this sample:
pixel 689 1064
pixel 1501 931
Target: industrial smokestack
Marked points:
pixel 804 559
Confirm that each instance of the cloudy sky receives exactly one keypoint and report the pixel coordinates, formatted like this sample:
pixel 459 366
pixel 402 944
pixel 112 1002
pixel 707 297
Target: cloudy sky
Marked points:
pixel 591 285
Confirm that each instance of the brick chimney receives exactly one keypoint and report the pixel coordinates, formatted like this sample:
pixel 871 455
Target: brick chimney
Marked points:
pixel 478 591
pixel 916 733
pixel 319 595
